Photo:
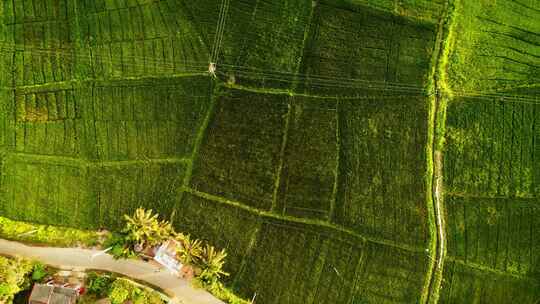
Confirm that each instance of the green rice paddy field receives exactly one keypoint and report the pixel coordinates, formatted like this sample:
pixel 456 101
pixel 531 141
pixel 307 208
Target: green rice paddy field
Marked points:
pixel 312 153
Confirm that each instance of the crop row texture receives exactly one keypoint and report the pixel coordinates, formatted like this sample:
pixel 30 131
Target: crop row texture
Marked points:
pixel 307 159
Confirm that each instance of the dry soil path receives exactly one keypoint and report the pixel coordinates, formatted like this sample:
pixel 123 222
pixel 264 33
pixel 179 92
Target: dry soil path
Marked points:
pixel 180 290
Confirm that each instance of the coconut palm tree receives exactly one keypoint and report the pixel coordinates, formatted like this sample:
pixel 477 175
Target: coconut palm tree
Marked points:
pixel 212 263
pixel 190 251
pixel 144 229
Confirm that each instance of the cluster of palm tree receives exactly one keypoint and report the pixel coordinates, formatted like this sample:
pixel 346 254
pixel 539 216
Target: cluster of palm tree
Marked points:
pixel 207 262
pixel 144 230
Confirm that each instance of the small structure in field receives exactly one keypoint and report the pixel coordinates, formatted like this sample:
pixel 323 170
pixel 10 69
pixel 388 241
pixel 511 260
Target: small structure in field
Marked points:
pixel 166 256
pixel 53 294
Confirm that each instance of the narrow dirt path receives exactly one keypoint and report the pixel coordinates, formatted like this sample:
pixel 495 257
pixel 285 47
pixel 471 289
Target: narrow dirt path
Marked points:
pixel 441 99
pixel 180 290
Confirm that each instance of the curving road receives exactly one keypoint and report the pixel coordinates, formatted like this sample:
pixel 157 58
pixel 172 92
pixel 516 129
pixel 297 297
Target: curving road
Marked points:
pixel 180 290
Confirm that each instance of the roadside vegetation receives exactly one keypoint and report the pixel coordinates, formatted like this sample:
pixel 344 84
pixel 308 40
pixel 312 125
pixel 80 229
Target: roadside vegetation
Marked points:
pixel 119 290
pixel 50 235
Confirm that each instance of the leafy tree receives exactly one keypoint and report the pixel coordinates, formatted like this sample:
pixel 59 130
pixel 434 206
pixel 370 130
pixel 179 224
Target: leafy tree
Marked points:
pixel 99 284
pixel 14 277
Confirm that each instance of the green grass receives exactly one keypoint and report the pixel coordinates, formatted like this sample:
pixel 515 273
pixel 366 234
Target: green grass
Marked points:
pixel 491 148
pixel 239 161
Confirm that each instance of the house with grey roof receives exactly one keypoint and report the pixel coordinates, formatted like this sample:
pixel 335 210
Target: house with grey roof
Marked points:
pixel 52 294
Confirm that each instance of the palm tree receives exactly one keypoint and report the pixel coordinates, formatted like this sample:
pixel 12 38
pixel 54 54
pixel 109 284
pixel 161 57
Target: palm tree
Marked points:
pixel 190 251
pixel 212 263
pixel 144 229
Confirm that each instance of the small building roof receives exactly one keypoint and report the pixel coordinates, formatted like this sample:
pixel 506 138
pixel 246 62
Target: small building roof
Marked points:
pixel 50 294
pixel 41 294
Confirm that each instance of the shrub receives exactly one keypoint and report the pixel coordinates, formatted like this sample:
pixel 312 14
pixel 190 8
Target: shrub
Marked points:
pixel 123 290
pixel 120 246
pixel 99 284
pixel 45 234
pixel 226 295
pixel 119 292
pixel 39 272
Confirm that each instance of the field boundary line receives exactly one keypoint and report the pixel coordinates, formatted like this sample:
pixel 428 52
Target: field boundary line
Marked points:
pixel 282 156
pixel 201 132
pixel 308 222
pixel 483 268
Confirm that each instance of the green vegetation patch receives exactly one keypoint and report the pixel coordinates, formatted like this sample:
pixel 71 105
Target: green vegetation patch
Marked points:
pixel 50 235
pixel 496 233
pixel 463 284
pixel 122 290
pixel 269 52
pixel 497 45
pixel 239 157
pixel 41 191
pixel 353 47
pixel 296 263
pixel 390 274
pixel 144 119
pixel 40 39
pixel 382 154
pixel 47 122
pixel 427 10
pixel 492 148
pixel 121 189
pixel 15 276
pixel 85 156
pixel 204 15
pixel 86 196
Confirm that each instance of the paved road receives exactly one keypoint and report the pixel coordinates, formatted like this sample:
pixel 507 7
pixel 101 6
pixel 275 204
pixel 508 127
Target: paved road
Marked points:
pixel 180 290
